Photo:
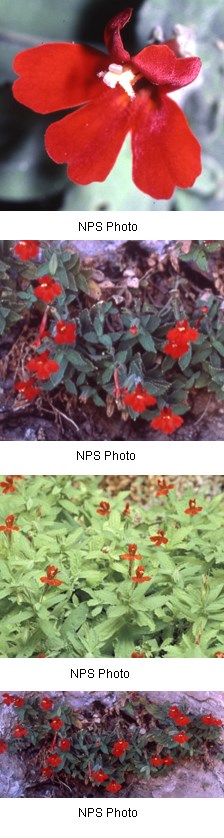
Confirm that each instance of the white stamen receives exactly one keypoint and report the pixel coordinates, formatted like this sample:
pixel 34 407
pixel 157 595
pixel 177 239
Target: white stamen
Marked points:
pixel 117 75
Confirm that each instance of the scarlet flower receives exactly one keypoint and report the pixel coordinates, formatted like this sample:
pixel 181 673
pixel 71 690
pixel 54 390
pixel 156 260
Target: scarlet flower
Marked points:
pixel 167 421
pixel 54 760
pixel 180 738
pixel 65 744
pixel 139 577
pixel 8 485
pixel 126 510
pixel 65 332
pixel 133 330
pixel 46 703
pixel 159 538
pixel 3 746
pixel 26 249
pixel 41 656
pixel 19 731
pixel 156 762
pixel 49 579
pixel 210 720
pixel 219 655
pixel 175 349
pixel 28 389
pixel 47 772
pixel 182 332
pixel 56 723
pixel 104 508
pixel 139 400
pixel 168 760
pixel 119 94
pixel 99 776
pixel 8 526
pixel 18 702
pixel 193 509
pixel 113 787
pixel 120 747
pixel 163 487
pixel 173 711
pixel 132 555
pixel 136 655
pixel 48 289
pixel 7 699
pixel 43 366
pixel 181 720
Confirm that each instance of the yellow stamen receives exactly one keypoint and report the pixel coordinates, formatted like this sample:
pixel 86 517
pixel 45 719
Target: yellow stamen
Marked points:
pixel 116 74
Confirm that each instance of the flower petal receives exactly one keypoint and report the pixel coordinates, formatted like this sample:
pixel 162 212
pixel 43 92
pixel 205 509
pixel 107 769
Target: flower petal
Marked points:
pixel 159 65
pixel 57 76
pixel 165 152
pixel 90 139
pixel 112 37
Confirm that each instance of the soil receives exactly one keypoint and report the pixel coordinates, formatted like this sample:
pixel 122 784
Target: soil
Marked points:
pixel 117 268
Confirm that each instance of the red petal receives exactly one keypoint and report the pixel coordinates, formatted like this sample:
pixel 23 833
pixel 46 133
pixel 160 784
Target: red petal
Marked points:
pixel 159 65
pixel 57 76
pixel 165 152
pixel 112 36
pixel 90 139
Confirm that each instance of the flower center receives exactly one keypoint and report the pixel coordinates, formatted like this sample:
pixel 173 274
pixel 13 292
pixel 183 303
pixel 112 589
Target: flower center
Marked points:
pixel 116 74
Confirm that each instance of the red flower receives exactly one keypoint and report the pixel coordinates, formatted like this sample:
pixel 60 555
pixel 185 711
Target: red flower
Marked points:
pixel 133 330
pixel 173 711
pixel 136 655
pixel 182 333
pixel 8 485
pixel 26 249
pixel 65 744
pixel 56 723
pixel 46 703
pixel 8 526
pixel 180 738
pixel 164 487
pixel 181 720
pixel 28 389
pixel 168 760
pixel 99 776
pixel 18 702
pixel 126 510
pixel 119 748
pixel 113 787
pixel 219 655
pixel 54 760
pixel 167 421
pixel 132 555
pixel 193 509
pixel 47 772
pixel 41 656
pixel 159 538
pixel 211 720
pixel 104 508
pixel 43 366
pixel 65 332
pixel 139 577
pixel 139 400
pixel 49 579
pixel 7 699
pixel 175 349
pixel 128 94
pixel 3 747
pixel 19 731
pixel 48 289
pixel 156 762
pixel 52 582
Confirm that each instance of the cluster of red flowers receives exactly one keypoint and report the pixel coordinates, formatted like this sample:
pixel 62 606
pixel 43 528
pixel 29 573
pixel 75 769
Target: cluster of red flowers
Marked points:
pixel 210 720
pixel 119 748
pixel 16 700
pixel 50 578
pixel 158 761
pixel 179 339
pixel 27 249
pixel 178 717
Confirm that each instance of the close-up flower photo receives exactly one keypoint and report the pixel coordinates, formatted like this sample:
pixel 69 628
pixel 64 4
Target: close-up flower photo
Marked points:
pixel 111 744
pixel 112 107
pixel 117 567
pixel 112 340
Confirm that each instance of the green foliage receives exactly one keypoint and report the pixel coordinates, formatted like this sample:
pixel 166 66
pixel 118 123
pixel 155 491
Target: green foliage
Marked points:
pixel 97 610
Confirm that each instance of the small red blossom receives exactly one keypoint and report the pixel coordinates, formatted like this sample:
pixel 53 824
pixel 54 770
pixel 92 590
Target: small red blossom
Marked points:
pixel 139 575
pixel 119 748
pixel 50 579
pixel 43 365
pixel 18 702
pixel 173 711
pixel 168 760
pixel 46 772
pixel 104 508
pixel 139 400
pixel 7 699
pixel 167 421
pixel 132 555
pixel 8 526
pixel 56 723
pixel 181 720
pixel 113 787
pixel 175 349
pixel 163 487
pixel 126 510
pixel 156 762
pixel 159 538
pixel 204 309
pixel 28 389
pixel 137 655
pixel 7 486
pixel 99 776
pixel 26 249
pixel 65 332
pixel 47 290
pixel 119 94
pixel 133 330
pixel 192 508
pixel 54 760
pixel 210 720
pixel 41 656
pixel 3 747
pixel 65 744
pixel 182 333
pixel 46 703
pixel 219 655
pixel 19 731
pixel 180 738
